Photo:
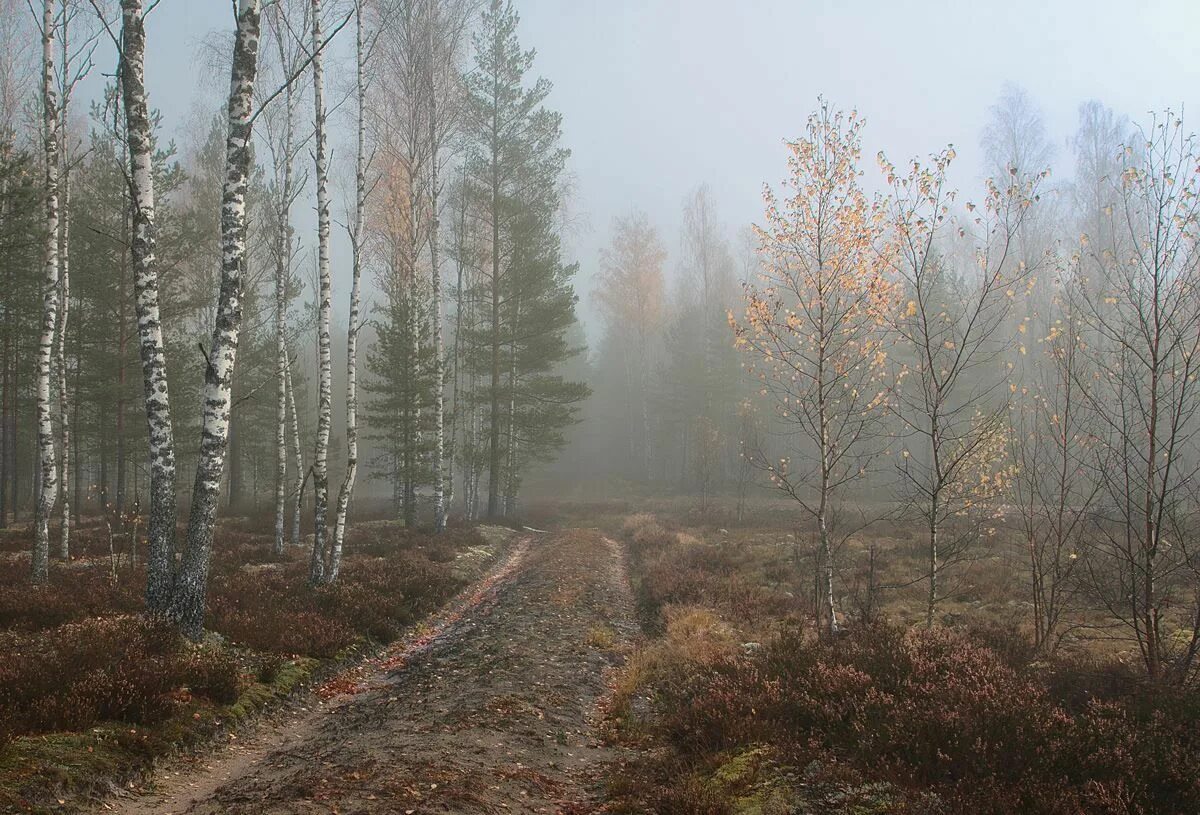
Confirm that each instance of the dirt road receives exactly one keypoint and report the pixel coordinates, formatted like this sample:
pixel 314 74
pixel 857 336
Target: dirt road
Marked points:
pixel 487 711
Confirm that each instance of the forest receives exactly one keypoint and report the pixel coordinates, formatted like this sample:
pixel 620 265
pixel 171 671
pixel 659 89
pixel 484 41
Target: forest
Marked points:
pixel 386 428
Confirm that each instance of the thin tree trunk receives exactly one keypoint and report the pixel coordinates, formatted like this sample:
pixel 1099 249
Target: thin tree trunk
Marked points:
pixel 48 472
pixel 60 355
pixel 510 464
pixel 122 349
pixel 493 509
pixel 187 601
pixel 280 412
pixel 297 455
pixel 827 454
pixel 411 416
pixel 7 442
pixel 933 566
pixel 435 273
pixel 77 475
pixel 60 351
pixel 5 431
pixel 283 261
pixel 325 285
pixel 161 528
pixel 356 238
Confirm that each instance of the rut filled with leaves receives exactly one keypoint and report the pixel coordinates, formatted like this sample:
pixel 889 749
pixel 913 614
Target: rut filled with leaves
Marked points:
pixel 491 710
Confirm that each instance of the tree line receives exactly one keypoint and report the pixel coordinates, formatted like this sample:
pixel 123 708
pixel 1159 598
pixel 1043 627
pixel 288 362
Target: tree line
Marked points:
pixel 1010 374
pixel 191 264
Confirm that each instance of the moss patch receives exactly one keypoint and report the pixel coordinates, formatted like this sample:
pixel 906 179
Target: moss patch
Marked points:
pixel 58 771
pixel 751 783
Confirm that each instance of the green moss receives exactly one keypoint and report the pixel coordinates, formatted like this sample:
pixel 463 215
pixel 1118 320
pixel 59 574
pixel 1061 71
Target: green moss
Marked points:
pixel 37 771
pixel 261 694
pixel 740 770
pixel 751 784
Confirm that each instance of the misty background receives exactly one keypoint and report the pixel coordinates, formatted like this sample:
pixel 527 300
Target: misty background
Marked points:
pixel 659 97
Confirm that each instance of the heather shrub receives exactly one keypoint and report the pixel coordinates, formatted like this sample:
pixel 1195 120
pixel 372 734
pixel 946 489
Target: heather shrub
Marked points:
pixel 104 669
pixel 931 711
pixel 214 673
pixel 275 609
pixel 679 570
pixel 1011 643
pixel 75 593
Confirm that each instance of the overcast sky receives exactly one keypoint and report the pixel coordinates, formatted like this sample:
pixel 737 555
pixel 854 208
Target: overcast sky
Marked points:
pixel 660 95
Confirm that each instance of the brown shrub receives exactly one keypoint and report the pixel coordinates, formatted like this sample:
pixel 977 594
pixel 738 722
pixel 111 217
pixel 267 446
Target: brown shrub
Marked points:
pixel 276 609
pixel 103 669
pixel 925 711
pixel 75 593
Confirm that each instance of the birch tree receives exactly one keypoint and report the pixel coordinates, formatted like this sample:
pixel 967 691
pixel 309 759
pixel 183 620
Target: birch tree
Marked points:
pixel 1051 445
pixel 324 305
pixel 287 188
pixel 47 468
pixel 950 401
pixel 632 300
pixel 402 223
pixel 187 601
pixel 75 66
pixel 297 454
pixel 813 326
pixel 160 563
pixel 356 247
pixel 446 27
pixel 1142 325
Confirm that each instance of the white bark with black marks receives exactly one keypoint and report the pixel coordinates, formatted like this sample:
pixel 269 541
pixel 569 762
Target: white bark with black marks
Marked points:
pixel 435 272
pixel 47 487
pixel 356 243
pixel 160 564
pixel 283 258
pixel 324 299
pixel 297 455
pixel 60 361
pixel 187 601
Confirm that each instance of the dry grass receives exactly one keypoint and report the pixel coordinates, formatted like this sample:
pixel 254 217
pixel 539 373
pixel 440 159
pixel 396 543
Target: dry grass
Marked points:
pixel 739 706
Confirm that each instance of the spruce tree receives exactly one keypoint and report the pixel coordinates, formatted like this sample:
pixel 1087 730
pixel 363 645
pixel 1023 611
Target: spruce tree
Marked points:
pixel 515 166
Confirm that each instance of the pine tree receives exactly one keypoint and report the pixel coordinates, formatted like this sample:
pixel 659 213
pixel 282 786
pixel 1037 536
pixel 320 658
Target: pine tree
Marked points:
pixel 402 385
pixel 515 166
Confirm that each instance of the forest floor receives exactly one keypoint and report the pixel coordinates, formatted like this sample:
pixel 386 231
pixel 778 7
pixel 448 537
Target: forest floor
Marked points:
pixel 491 707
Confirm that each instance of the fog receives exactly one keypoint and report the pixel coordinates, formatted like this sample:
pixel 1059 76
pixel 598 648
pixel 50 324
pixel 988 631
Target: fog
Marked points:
pixel 766 407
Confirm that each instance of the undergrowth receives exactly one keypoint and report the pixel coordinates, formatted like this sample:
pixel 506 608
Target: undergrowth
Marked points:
pixel 738 708
pixel 91 691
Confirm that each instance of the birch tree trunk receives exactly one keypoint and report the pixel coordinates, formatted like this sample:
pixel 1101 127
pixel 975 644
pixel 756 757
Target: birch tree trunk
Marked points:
pixel 160 564
pixel 456 399
pixel 435 273
pixel 282 274
pixel 325 378
pixel 280 406
pixel 47 485
pixel 7 442
pixel 297 455
pixel 187 600
pixel 67 83
pixel 356 239
pixel 60 355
